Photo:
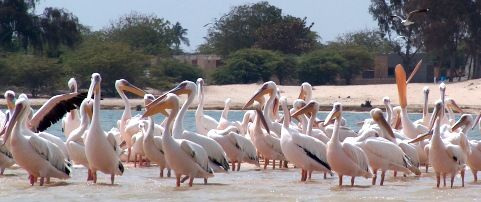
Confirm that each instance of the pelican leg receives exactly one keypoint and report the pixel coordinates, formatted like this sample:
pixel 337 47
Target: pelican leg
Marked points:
pixel 340 180
pixel 135 161
pixel 191 180
pixel 273 164
pixel 94 174
pixel 427 166
pixel 383 173
pixel 266 163
pixel 462 177
pixel 285 164
pixel 128 155
pixel 303 174
pixel 233 166
pixel 161 172
pixel 325 175
pixel 168 172
pixel 32 179
pixel 395 173
pixel 352 181
pixel 47 180
pixel 177 182
pixel 475 175
pixel 309 174
pixel 444 179
pixel 452 179
pixel 238 166
pixel 41 181
pixel 2 170
pixel 205 180
pixel 374 172
pixel 112 178
pixel 280 163
pixel 438 179
pixel 89 175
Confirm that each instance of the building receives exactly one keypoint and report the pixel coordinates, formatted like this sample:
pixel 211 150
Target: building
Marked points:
pixel 205 62
pixel 383 70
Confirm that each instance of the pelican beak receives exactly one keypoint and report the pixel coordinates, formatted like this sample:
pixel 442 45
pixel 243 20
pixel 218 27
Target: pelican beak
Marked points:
pixel 302 94
pixel 159 105
pixel 304 110
pixel 453 105
pixel 334 114
pixel 461 122
pixel 180 89
pixel 256 97
pixel 378 117
pixel 401 85
pixel 421 137
pixel 263 120
pixel 476 121
pixel 126 86
pixel 13 121
pixel 436 114
pixel 89 110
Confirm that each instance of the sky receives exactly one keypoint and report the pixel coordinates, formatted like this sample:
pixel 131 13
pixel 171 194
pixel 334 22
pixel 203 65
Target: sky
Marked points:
pixel 331 17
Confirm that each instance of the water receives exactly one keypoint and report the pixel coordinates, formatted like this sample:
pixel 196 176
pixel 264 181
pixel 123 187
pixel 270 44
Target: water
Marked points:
pixel 250 184
pixel 109 119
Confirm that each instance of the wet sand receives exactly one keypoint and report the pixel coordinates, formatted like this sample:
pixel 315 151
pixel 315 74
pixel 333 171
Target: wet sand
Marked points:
pixel 250 184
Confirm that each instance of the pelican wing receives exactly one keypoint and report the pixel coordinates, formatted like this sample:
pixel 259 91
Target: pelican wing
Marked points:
pixel 158 144
pixel 411 152
pixel 54 109
pixel 209 123
pixel 3 118
pixel 113 143
pixel 4 150
pixel 50 152
pixel 456 154
pixel 357 155
pixel 313 147
pixel 274 143
pixel 385 150
pixel 244 145
pixel 197 153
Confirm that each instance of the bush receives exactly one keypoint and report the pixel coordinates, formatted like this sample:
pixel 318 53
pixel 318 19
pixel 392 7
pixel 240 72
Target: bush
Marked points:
pixel 320 66
pixel 170 71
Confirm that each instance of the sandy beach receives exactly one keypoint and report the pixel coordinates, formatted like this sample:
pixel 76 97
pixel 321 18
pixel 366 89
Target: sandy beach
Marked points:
pixel 466 93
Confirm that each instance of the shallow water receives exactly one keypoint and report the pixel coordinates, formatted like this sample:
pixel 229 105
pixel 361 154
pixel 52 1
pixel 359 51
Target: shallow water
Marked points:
pixel 250 184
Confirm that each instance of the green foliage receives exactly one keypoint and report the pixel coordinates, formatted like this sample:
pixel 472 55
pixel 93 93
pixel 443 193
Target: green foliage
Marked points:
pixel 32 73
pixel 112 60
pixel 148 33
pixel 372 41
pixel 248 66
pixel 170 71
pixel 320 66
pixel 258 25
pixel 357 59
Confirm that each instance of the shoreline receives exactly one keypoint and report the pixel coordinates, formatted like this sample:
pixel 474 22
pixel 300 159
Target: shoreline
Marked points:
pixel 467 95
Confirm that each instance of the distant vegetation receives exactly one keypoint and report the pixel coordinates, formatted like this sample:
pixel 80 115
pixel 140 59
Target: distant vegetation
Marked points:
pixel 258 42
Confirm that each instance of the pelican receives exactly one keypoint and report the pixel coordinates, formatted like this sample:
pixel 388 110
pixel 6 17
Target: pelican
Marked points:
pixel 72 120
pixel 267 145
pixel 138 147
pixel 444 157
pixel 153 146
pixel 408 21
pixel 426 116
pixel 102 150
pixel 345 158
pixel 204 123
pixel 237 148
pixel 313 107
pixel 304 151
pixel 271 89
pixel 217 157
pixel 38 156
pixel 75 141
pixel 128 125
pixel 183 156
pixel 223 120
pixel 474 158
pixel 6 158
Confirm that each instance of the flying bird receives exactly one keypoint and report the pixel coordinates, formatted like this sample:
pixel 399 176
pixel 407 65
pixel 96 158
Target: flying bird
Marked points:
pixel 408 21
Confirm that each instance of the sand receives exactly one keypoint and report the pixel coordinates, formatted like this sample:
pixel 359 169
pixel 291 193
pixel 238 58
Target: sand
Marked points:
pixel 467 94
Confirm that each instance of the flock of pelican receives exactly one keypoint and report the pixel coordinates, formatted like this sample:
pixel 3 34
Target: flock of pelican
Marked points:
pixel 296 138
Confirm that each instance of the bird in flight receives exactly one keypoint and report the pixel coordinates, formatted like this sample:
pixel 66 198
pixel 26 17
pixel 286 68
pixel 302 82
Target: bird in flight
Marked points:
pixel 408 21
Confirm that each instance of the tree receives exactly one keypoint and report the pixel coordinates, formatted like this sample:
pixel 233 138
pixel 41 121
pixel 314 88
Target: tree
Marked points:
pixel 373 41
pixel 320 67
pixel 258 25
pixel 286 70
pixel 356 60
pixel 147 33
pixel 20 28
pixel 112 60
pixel 247 66
pixel 33 73
pixel 170 71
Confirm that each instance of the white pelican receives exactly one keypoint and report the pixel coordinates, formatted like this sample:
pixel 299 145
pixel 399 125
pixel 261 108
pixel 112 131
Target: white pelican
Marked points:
pixel 408 21
pixel 128 125
pixel 138 147
pixel 345 158
pixel 203 123
pixel 474 158
pixel 426 116
pixel 312 107
pixel 183 156
pixel 153 146
pixel 38 156
pixel 71 121
pixel 267 145
pixel 304 151
pixel 271 89
pixel 223 120
pixel 75 141
pixel 217 157
pixel 237 148
pixel 444 157
pixel 101 149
